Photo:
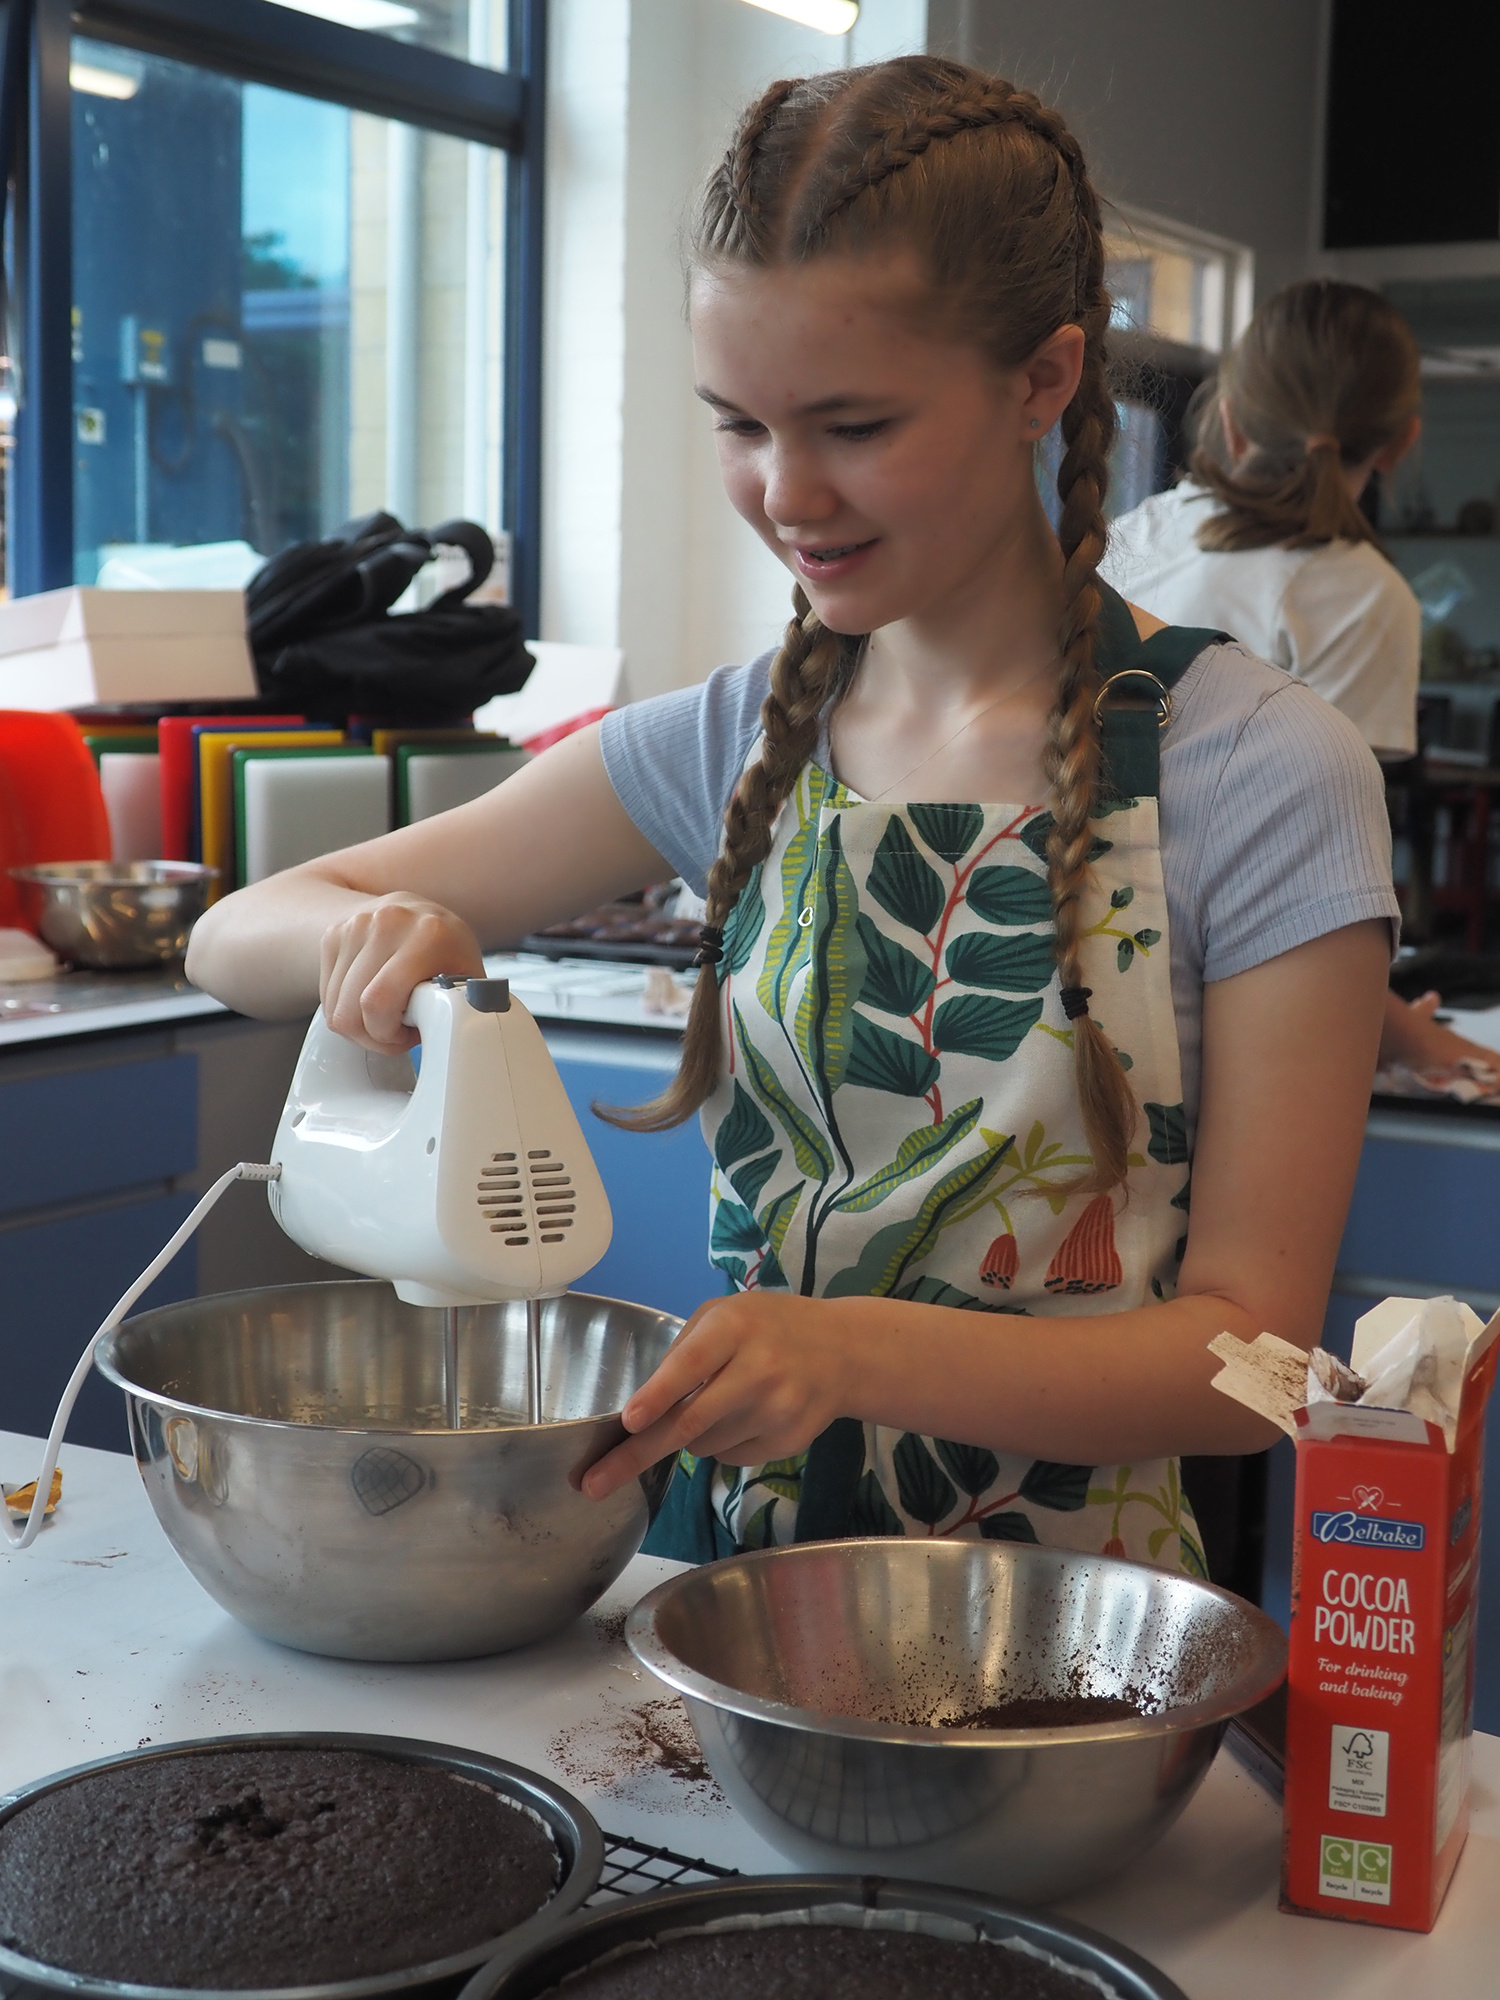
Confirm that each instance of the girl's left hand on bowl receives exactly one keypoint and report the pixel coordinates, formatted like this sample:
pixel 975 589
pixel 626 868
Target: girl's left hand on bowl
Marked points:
pixel 752 1377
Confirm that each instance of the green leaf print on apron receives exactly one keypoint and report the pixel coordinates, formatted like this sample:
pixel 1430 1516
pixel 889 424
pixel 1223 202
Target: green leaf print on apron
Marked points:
pixel 897 1118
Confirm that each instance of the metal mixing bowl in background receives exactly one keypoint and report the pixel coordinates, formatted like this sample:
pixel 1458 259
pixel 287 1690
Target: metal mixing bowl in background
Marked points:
pixel 294 1445
pixel 114 915
pixel 788 1658
pixel 580 1847
pixel 525 1968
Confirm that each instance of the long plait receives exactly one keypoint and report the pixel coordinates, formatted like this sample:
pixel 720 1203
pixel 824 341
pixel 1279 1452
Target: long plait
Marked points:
pixel 804 677
pixel 1073 756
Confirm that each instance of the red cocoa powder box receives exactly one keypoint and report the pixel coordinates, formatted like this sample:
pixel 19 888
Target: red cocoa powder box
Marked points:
pixel 1381 1673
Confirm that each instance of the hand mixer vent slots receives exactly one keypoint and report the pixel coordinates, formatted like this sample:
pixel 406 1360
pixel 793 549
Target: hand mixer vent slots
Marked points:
pixel 501 1201
pixel 552 1193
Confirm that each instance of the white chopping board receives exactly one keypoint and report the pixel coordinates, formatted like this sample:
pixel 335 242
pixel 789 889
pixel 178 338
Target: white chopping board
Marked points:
pixel 297 808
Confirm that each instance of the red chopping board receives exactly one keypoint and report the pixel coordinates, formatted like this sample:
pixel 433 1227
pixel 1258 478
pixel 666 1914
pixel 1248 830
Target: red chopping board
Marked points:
pixel 179 756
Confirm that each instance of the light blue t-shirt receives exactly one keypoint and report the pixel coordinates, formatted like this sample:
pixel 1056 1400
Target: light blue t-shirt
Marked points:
pixel 1273 819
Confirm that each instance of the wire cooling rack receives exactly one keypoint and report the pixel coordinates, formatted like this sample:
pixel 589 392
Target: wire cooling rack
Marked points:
pixel 632 1869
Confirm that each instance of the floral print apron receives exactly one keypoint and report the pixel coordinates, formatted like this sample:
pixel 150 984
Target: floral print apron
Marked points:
pixel 897 1118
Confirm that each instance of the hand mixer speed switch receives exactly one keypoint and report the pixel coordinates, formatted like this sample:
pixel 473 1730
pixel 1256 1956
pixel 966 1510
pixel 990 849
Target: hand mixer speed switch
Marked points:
pixel 489 996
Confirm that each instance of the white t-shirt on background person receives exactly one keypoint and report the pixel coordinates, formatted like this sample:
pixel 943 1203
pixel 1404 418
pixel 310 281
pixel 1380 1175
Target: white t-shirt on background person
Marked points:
pixel 1339 616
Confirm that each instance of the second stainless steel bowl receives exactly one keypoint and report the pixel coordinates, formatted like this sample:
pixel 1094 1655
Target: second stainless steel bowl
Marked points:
pixel 794 1663
pixel 112 915
pixel 294 1446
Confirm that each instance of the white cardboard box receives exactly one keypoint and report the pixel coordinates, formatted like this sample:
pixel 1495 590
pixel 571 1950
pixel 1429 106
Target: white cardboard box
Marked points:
pixel 66 648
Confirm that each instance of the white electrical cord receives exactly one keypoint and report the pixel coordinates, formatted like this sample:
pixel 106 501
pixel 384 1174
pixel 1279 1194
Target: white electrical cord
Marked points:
pixel 23 1537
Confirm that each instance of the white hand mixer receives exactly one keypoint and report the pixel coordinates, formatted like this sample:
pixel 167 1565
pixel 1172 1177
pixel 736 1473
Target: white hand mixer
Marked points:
pixel 464 1178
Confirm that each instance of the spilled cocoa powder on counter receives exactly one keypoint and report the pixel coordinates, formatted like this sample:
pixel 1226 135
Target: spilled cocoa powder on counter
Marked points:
pixel 621 1751
pixel 609 1627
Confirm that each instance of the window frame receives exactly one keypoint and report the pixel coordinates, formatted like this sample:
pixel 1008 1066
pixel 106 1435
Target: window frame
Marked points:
pixel 258 42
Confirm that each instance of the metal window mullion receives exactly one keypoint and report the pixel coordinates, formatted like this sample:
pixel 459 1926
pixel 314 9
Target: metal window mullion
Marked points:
pixel 42 492
pixel 521 466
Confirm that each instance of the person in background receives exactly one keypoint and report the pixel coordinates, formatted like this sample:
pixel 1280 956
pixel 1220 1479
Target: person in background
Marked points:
pixel 1265 537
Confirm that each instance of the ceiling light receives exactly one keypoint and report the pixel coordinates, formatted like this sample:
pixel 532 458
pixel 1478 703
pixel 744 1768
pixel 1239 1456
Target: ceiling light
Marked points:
pixel 99 82
pixel 384 17
pixel 833 17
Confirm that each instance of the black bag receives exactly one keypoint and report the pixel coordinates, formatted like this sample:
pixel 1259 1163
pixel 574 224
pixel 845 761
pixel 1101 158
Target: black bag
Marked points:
pixel 326 646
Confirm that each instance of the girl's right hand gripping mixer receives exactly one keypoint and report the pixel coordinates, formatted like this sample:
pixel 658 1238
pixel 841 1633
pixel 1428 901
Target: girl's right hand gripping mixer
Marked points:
pixel 464 1179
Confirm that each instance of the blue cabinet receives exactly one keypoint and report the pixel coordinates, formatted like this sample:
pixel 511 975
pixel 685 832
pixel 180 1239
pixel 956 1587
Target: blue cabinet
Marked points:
pixel 657 1182
pixel 93 1146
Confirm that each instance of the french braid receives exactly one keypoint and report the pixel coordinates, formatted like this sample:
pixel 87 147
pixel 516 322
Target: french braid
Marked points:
pixel 990 188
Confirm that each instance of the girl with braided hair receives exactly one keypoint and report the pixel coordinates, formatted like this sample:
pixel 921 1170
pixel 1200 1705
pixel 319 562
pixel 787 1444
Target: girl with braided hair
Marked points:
pixel 1021 905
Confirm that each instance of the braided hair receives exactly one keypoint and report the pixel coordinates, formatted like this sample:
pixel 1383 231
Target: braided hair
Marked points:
pixel 990 188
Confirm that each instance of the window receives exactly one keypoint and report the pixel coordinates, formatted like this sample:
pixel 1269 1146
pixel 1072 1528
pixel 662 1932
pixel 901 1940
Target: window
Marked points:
pixel 1175 284
pixel 287 306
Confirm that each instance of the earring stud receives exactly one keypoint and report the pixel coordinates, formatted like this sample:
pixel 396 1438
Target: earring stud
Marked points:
pixel 1036 423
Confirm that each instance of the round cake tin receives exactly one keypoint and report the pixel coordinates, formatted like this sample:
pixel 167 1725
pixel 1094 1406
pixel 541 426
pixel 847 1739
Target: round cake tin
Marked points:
pixel 527 1967
pixel 580 1846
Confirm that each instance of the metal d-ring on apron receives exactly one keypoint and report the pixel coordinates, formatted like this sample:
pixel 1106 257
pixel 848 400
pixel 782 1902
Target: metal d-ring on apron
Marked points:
pixel 897 1117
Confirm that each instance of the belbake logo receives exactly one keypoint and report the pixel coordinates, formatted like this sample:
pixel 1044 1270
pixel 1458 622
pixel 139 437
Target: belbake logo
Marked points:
pixel 1363 1526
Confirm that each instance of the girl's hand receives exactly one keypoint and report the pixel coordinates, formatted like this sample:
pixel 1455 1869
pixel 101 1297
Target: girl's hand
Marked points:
pixel 372 959
pixel 750 1378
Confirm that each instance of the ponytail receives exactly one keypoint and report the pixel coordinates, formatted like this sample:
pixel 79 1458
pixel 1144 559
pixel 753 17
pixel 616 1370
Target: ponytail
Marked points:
pixel 1325 376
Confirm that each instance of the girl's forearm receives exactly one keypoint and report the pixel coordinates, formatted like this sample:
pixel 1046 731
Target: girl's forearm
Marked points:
pixel 1084 1391
pixel 259 949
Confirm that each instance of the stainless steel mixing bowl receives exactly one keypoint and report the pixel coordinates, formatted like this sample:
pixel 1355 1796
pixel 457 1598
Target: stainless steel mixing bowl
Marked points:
pixel 789 1659
pixel 115 914
pixel 293 1443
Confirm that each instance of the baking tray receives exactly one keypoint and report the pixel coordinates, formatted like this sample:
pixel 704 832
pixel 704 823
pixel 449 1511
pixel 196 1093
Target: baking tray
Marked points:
pixel 678 956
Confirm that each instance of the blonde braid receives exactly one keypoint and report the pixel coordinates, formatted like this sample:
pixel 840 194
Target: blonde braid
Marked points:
pixel 804 678
pixel 1073 756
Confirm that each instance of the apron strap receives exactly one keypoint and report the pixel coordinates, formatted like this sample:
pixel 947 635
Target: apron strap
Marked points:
pixel 1135 704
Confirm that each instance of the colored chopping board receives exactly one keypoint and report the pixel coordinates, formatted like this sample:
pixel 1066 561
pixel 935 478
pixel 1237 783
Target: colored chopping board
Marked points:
pixel 292 805
pixel 131 783
pixel 437 777
pixel 216 791
pixel 178 767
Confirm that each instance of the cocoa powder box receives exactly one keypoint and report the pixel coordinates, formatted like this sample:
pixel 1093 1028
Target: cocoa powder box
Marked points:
pixel 336 1865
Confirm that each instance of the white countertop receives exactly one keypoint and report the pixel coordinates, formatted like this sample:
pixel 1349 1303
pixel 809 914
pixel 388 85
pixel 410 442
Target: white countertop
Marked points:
pixel 92 1003
pixel 107 1643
